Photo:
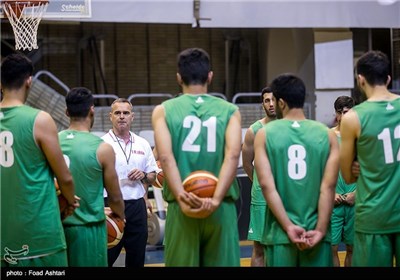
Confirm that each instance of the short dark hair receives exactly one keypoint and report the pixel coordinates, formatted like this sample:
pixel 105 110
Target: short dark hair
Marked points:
pixel 342 102
pixel 374 66
pixel 263 91
pixel 15 69
pixel 194 66
pixel 289 88
pixel 79 100
pixel 121 100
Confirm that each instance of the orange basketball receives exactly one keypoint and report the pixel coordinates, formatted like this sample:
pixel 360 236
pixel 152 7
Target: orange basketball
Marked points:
pixel 202 183
pixel 62 201
pixel 115 228
pixel 160 177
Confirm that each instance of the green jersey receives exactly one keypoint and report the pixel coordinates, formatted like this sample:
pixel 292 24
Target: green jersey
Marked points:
pixel 297 151
pixel 257 197
pixel 30 217
pixel 197 124
pixel 377 204
pixel 80 151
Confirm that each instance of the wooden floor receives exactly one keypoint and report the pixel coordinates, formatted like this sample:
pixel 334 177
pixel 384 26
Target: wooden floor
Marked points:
pixel 245 262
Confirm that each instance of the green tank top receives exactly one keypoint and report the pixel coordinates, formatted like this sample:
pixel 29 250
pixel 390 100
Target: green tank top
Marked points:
pixel 341 186
pixel 197 124
pixel 377 207
pixel 257 197
pixel 30 217
pixel 297 151
pixel 80 151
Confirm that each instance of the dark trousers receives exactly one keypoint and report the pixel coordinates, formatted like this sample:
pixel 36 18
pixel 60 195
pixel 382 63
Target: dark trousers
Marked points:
pixel 135 235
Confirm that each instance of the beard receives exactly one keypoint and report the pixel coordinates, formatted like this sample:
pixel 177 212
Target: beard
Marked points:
pixel 363 95
pixel 269 113
pixel 91 121
pixel 360 94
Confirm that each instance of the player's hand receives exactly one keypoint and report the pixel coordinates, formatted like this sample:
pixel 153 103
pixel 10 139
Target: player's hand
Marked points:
pixel 203 207
pixel 313 237
pixel 338 199
pixel 296 235
pixel 69 210
pixel 350 198
pixel 191 199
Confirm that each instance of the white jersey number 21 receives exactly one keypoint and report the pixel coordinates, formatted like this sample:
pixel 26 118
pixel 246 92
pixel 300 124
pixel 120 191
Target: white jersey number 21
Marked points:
pixel 195 124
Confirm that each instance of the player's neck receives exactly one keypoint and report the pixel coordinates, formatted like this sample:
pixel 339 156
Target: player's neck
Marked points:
pixel 194 89
pixel 378 93
pixel 13 98
pixel 79 126
pixel 295 114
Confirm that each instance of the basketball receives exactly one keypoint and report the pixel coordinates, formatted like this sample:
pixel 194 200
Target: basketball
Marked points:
pixel 62 201
pixel 202 183
pixel 160 177
pixel 115 228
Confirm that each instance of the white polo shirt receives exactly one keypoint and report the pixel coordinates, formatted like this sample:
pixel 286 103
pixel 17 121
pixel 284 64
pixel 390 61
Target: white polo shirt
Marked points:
pixel 137 153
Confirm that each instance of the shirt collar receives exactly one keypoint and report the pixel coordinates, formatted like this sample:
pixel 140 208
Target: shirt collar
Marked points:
pixel 116 138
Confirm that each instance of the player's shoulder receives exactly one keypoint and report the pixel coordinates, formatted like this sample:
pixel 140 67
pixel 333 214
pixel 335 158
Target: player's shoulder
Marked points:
pixel 318 123
pixel 255 126
pixel 105 147
pixel 42 118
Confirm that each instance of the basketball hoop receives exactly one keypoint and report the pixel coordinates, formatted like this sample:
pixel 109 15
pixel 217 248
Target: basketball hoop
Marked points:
pixel 25 17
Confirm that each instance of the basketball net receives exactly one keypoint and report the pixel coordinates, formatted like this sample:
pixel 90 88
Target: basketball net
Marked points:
pixel 25 18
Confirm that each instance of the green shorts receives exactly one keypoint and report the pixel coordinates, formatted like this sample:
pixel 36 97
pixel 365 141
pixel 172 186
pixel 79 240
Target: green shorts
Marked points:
pixel 289 255
pixel 87 245
pixel 212 241
pixel 257 222
pixel 342 224
pixel 376 250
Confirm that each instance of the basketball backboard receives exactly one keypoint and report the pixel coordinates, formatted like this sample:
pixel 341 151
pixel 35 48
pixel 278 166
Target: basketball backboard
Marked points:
pixel 64 9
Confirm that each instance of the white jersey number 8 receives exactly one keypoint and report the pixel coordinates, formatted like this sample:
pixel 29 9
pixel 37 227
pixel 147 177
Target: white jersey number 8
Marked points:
pixel 297 167
pixel 6 151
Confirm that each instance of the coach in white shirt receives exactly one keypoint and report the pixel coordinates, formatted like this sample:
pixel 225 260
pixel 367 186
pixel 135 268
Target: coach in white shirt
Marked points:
pixel 135 165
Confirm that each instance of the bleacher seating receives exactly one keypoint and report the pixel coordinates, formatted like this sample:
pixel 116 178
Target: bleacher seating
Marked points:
pixel 148 134
pixel 250 113
pixel 44 97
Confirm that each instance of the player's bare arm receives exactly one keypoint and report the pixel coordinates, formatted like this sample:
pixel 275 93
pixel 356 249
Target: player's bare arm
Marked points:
pixel 46 137
pixel 227 174
pixel 248 153
pixel 349 131
pixel 267 183
pixel 327 192
pixel 106 156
